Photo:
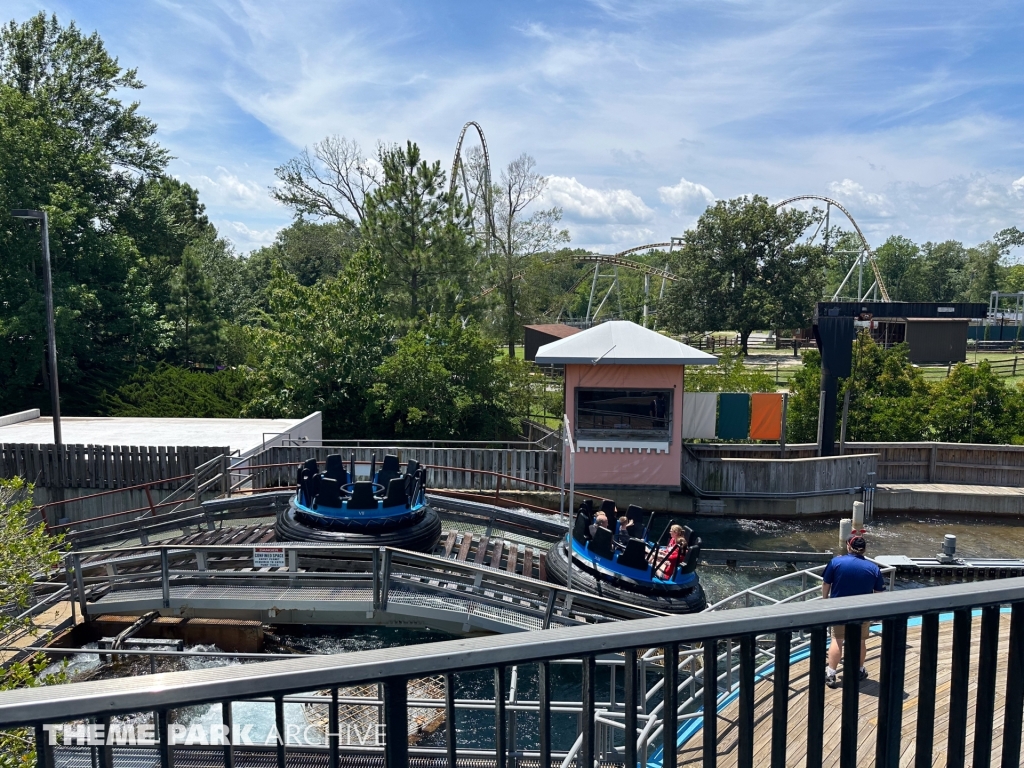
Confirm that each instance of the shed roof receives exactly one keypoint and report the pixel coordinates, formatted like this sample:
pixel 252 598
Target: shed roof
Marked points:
pixel 555 329
pixel 621 342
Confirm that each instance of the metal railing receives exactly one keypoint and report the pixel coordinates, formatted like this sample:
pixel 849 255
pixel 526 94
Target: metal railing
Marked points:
pixel 348 581
pixel 700 637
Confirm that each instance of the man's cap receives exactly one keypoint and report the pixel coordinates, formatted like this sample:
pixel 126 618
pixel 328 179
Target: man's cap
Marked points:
pixel 857 543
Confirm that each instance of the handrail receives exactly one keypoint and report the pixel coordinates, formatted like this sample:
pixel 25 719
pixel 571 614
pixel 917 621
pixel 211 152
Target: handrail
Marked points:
pixel 104 698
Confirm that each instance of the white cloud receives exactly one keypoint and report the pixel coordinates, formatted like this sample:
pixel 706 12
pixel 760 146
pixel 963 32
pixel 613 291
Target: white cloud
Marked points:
pixel 230 191
pixel 849 192
pixel 686 196
pixel 611 205
pixel 243 237
pixel 1018 186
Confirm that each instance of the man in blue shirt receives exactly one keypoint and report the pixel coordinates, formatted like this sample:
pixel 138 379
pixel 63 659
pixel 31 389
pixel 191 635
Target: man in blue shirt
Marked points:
pixel 847 575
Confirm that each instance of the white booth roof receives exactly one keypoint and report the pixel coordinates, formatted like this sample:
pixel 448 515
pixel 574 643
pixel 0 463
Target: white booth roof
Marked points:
pixel 620 342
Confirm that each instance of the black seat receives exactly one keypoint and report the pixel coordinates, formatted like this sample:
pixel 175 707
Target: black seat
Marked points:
pixel 581 528
pixel 362 496
pixel 637 515
pixel 608 507
pixel 634 555
pixel 396 493
pixel 310 484
pixel 330 493
pixel 334 468
pixel 411 468
pixel 389 470
pixel 689 535
pixel 689 564
pixel 601 544
pixel 588 507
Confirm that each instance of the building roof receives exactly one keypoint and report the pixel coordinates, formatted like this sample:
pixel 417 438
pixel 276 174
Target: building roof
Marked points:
pixel 242 435
pixel 621 342
pixel 559 330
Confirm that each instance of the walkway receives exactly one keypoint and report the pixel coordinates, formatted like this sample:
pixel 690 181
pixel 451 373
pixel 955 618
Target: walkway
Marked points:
pixel 950 498
pixel 690 753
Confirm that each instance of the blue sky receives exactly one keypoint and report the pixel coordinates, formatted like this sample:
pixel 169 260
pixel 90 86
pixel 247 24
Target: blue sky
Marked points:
pixel 911 114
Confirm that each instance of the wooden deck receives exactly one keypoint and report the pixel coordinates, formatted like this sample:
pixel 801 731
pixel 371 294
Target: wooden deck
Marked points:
pixel 691 752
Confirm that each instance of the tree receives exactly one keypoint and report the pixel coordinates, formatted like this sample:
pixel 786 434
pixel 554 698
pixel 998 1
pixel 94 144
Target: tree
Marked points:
pixel 899 262
pixel 68 145
pixel 742 269
pixel 802 409
pixel 520 240
pixel 444 382
pixel 331 183
pixel 191 311
pixel 984 271
pixel 312 251
pixel 973 405
pixel 166 391
pixel 944 270
pixel 317 347
pixel 728 375
pixel 889 397
pixel 421 234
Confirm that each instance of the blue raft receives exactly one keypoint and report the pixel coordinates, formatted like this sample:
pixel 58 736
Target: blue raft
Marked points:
pixel 388 510
pixel 626 573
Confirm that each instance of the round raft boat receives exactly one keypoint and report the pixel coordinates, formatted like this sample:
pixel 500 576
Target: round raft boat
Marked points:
pixel 333 507
pixel 627 572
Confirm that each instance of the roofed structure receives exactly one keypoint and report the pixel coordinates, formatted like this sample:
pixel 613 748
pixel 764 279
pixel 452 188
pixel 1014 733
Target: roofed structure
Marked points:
pixel 620 342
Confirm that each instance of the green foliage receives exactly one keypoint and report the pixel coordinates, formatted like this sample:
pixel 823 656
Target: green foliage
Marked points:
pixel 728 375
pixel 889 398
pixel 312 252
pixel 190 310
pixel 902 271
pixel 742 268
pixel 802 409
pixel 17 746
pixel 26 550
pixel 166 391
pixel 421 234
pixel 68 145
pixel 316 349
pixel 973 405
pixel 445 382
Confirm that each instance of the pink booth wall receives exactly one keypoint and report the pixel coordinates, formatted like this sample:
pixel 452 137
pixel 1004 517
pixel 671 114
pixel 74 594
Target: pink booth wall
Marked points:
pixel 627 467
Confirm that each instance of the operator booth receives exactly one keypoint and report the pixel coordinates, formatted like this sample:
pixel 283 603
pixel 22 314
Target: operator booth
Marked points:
pixel 624 400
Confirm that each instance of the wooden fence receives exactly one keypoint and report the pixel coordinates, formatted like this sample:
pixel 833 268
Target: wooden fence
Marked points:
pixel 767 477
pixel 526 464
pixel 103 467
pixel 920 462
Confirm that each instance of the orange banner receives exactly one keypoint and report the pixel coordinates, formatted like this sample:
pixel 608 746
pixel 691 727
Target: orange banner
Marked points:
pixel 765 417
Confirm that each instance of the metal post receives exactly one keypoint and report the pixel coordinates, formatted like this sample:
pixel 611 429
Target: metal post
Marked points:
pixel 165 577
pixel 572 498
pixel 842 429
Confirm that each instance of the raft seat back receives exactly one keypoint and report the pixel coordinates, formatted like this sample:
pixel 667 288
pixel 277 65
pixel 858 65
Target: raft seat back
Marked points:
pixel 608 507
pixel 362 496
pixel 396 493
pixel 587 507
pixel 335 469
pixel 637 515
pixel 689 564
pixel 410 476
pixel 330 493
pixel 601 544
pixel 634 555
pixel 310 484
pixel 580 530
pixel 689 535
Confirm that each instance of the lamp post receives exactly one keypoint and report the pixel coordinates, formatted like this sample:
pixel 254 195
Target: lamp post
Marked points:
pixel 51 334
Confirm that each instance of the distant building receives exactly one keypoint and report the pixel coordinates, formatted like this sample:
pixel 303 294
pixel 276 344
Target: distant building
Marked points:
pixel 539 335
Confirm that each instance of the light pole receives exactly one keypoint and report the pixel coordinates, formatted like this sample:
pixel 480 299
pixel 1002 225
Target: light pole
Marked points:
pixel 51 333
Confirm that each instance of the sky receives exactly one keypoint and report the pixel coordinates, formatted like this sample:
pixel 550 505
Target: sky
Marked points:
pixel 640 113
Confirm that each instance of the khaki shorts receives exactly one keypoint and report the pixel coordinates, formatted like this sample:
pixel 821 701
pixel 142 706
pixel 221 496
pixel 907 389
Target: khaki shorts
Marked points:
pixel 839 631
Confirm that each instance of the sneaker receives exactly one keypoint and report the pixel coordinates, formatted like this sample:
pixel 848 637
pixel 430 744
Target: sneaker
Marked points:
pixel 833 681
pixel 863 673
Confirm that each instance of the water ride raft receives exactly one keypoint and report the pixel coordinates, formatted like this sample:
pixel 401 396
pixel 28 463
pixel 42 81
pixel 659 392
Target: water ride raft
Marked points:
pixel 388 509
pixel 629 572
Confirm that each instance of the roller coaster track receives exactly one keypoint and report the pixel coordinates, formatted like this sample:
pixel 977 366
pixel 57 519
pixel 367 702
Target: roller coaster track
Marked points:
pixel 863 240
pixel 459 171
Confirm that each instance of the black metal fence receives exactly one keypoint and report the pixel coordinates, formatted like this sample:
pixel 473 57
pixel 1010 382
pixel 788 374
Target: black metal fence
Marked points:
pixel 392 669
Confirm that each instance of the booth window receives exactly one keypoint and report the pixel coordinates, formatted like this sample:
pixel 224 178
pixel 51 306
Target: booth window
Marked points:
pixel 624 414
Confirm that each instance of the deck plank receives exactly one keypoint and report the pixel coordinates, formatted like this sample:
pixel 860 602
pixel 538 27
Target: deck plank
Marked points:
pixel 691 752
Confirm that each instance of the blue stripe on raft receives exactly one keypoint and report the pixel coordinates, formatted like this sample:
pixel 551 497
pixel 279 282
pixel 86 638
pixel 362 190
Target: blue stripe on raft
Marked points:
pixel 344 513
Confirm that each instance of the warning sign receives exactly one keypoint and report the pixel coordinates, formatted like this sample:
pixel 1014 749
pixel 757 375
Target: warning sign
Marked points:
pixel 268 557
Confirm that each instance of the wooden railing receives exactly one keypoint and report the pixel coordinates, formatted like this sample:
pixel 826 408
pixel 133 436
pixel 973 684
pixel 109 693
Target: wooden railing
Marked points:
pixel 449 467
pixel 103 466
